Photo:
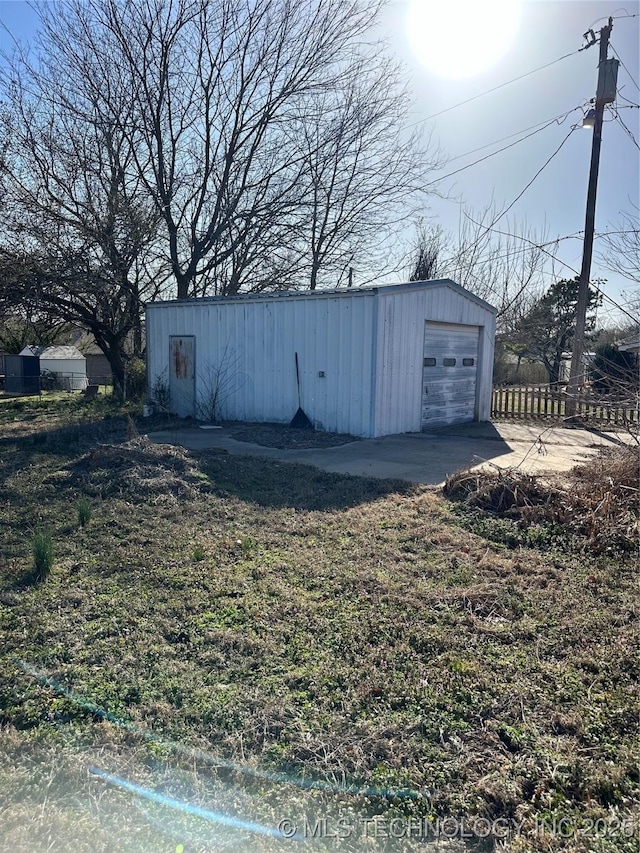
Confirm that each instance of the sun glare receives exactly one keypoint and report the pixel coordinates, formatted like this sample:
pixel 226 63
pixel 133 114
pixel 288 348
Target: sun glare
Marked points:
pixel 461 38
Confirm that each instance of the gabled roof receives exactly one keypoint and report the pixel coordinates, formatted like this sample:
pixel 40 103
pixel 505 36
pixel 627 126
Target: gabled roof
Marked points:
pixel 630 345
pixel 61 353
pixel 264 296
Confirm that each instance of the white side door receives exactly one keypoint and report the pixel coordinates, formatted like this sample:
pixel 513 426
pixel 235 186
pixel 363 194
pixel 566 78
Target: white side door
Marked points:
pixel 182 375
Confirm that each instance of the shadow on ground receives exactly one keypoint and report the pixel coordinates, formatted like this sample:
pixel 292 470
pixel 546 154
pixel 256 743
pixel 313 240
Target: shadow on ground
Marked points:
pixel 277 484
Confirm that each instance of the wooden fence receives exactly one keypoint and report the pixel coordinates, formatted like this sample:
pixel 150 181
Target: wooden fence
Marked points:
pixel 543 402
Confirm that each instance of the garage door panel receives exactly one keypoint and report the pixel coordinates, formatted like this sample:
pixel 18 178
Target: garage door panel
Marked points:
pixel 449 374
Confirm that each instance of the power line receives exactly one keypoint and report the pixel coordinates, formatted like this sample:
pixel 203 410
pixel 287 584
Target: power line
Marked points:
pixel 614 17
pixel 627 100
pixel 617 55
pixel 553 257
pixel 576 235
pixel 610 233
pixel 520 194
pixel 559 119
pixel 629 133
pixel 493 153
pixel 531 243
pixel 495 88
pixel 540 170
pixel 633 317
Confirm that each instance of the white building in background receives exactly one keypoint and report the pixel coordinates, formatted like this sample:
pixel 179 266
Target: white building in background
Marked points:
pixel 372 361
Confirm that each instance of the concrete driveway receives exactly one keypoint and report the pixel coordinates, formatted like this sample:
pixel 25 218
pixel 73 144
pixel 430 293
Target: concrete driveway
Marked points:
pixel 426 458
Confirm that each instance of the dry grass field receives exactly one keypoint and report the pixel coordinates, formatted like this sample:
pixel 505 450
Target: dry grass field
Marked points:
pixel 226 643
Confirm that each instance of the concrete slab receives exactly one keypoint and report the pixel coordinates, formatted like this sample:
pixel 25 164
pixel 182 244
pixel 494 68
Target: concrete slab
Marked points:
pixel 426 458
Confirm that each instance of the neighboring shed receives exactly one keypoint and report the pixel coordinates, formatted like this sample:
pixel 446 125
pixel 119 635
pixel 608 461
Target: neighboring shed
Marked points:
pixel 21 374
pixel 373 361
pixel 98 369
pixel 631 345
pixel 66 362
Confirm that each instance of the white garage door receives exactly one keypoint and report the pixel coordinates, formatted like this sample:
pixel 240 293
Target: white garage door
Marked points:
pixel 449 374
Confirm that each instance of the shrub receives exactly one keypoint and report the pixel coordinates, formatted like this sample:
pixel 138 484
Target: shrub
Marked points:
pixel 615 372
pixel 84 511
pixel 136 384
pixel 42 554
pixel 160 392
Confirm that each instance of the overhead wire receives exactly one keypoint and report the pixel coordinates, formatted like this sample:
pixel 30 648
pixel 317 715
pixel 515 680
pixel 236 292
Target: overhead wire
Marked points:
pixel 495 88
pixel 520 194
pixel 623 231
pixel 619 95
pixel 541 246
pixel 558 119
pixel 630 134
pixel 577 235
pixel 629 74
pixel 626 129
pixel 493 153
pixel 613 17
pixel 633 317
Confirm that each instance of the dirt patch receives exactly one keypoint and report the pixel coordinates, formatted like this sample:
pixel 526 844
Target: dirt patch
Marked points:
pixel 285 437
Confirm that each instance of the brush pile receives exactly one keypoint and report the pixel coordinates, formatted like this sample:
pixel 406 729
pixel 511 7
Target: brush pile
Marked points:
pixel 136 470
pixel 599 500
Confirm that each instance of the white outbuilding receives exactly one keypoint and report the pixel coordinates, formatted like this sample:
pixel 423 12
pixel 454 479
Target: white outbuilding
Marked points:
pixel 65 363
pixel 371 361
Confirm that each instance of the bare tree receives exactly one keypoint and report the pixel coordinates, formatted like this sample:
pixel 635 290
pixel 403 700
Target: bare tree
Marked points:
pixel 428 247
pixel 79 228
pixel 621 252
pixel 504 265
pixel 364 175
pixel 217 89
pixel 237 145
pixel 267 134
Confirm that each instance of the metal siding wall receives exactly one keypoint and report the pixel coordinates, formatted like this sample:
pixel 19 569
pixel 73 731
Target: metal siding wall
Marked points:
pixel 399 363
pixel 64 365
pixel 400 336
pixel 334 335
pixel 486 347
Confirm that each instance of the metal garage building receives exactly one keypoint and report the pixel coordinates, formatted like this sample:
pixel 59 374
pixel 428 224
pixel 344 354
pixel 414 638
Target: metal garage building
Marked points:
pixel 373 361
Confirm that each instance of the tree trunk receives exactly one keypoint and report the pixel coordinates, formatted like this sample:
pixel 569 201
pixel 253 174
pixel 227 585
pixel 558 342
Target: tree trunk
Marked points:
pixel 113 348
pixel 553 369
pixel 315 269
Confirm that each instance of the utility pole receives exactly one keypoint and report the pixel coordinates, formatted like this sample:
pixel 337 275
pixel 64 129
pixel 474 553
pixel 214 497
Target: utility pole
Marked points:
pixel 605 94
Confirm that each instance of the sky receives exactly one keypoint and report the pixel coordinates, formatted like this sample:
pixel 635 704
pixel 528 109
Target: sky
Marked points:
pixel 555 203
pixel 442 73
